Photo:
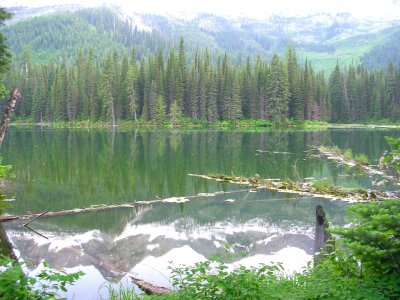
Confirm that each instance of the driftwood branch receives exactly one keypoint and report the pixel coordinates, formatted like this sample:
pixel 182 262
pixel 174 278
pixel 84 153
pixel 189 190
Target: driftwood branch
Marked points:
pixel 149 288
pixel 15 95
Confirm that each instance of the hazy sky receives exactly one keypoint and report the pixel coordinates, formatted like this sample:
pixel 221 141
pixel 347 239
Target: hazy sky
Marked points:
pixel 250 8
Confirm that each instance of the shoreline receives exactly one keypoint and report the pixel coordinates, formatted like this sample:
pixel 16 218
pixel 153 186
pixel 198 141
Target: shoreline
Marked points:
pixel 227 125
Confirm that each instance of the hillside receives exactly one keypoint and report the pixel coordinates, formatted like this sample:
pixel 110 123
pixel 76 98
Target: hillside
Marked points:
pixel 60 30
pixel 58 35
pixel 388 51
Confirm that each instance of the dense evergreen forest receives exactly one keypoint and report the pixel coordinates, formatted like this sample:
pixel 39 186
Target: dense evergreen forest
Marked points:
pixel 168 86
pixel 92 64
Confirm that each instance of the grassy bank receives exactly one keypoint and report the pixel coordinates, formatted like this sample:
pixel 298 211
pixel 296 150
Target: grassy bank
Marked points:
pixel 196 124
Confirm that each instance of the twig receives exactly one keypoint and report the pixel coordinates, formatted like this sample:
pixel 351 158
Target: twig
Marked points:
pixel 36 232
pixel 38 216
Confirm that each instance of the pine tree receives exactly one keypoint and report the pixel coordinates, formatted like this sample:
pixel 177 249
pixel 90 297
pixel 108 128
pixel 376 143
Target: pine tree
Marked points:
pixel 131 93
pixel 39 98
pixel 336 86
pixel 122 100
pixel 296 103
pixel 5 55
pixel 108 93
pixel 181 84
pixel 277 90
pixel 160 115
pixel 212 110
pixel 175 114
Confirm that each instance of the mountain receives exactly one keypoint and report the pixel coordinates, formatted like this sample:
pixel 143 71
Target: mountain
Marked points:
pixel 62 34
pixel 52 32
pixel 384 53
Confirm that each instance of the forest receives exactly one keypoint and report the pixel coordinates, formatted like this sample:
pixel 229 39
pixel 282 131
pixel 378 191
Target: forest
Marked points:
pixel 167 86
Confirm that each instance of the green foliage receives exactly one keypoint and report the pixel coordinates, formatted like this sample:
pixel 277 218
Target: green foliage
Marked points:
pixel 348 154
pixel 5 55
pixel 361 159
pixel 15 284
pixel 121 293
pixel 161 114
pixel 321 185
pixel 392 159
pixel 210 280
pixel 374 237
pixel 5 171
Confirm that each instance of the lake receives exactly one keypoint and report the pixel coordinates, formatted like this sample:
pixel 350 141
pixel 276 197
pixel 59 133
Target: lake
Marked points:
pixel 60 169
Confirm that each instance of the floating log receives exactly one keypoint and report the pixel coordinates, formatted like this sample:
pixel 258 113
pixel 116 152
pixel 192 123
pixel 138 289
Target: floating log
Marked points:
pixel 149 288
pixel 15 95
pixel 305 188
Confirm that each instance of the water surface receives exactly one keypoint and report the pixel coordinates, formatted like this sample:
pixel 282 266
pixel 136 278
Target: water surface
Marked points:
pixel 63 169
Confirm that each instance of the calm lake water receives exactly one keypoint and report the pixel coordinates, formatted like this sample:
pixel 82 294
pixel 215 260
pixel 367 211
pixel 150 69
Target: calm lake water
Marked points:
pixel 66 169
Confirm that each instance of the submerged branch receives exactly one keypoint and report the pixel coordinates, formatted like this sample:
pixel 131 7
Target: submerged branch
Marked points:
pixel 305 188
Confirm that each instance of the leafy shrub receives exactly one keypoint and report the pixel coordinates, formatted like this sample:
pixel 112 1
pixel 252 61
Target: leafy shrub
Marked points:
pixel 16 285
pixel 321 185
pixel 392 159
pixel 361 159
pixel 211 280
pixel 348 154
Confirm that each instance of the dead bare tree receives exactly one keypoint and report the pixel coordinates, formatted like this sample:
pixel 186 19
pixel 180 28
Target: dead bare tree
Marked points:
pixel 15 95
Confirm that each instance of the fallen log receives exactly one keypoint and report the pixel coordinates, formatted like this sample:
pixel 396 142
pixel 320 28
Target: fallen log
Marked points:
pixel 101 207
pixel 305 188
pixel 149 288
pixel 8 218
pixel 338 155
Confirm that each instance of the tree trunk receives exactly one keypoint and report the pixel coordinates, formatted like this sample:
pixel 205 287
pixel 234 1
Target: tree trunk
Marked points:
pixel 15 95
pixel 322 237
